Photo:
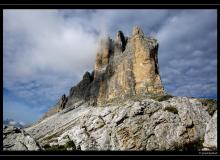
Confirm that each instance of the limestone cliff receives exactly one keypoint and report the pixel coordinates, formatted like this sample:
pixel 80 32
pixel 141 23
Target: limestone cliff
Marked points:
pixel 124 67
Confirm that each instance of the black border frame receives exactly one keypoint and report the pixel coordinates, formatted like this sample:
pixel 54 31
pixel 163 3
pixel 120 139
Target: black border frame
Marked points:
pixel 110 153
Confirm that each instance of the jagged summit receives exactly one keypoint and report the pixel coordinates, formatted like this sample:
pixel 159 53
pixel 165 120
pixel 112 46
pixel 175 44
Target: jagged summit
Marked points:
pixel 120 41
pixel 124 68
pixel 137 31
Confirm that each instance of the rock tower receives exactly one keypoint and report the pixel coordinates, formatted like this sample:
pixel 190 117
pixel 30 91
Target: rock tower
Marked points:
pixel 124 67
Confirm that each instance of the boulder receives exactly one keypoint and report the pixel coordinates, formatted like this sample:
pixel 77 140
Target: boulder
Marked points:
pixel 16 139
pixel 210 139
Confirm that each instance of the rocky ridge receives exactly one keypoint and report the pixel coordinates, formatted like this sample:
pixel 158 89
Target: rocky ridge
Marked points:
pixel 176 123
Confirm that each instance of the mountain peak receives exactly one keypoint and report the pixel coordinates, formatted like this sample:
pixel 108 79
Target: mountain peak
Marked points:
pixel 124 67
pixel 120 41
pixel 137 31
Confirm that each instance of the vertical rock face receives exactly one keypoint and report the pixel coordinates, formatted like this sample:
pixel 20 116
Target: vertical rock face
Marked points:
pixel 82 90
pixel 120 42
pixel 103 55
pixel 129 67
pixel 124 67
pixel 62 102
pixel 145 63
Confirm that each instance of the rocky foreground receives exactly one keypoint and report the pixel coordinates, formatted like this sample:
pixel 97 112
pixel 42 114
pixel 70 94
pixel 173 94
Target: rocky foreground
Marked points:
pixel 171 123
pixel 17 139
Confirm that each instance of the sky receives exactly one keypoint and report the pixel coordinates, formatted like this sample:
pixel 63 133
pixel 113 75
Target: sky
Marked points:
pixel 46 52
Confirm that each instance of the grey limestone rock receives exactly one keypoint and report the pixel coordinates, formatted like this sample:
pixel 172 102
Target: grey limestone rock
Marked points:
pixel 210 139
pixel 16 139
pixel 173 124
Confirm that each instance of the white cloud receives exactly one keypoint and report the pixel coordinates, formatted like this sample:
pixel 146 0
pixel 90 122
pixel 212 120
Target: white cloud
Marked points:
pixel 48 49
pixel 12 122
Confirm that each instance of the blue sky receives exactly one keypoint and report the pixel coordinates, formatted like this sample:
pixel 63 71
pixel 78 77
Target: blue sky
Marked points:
pixel 46 52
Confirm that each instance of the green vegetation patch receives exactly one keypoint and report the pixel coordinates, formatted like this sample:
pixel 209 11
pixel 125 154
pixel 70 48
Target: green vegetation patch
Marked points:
pixel 192 146
pixel 210 103
pixel 50 137
pixel 69 144
pixel 139 97
pixel 160 98
pixel 171 109
pixel 164 98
